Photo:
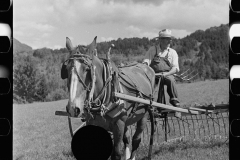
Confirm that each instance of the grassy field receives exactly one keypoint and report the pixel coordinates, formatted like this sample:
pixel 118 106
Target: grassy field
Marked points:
pixel 39 134
pixel 204 92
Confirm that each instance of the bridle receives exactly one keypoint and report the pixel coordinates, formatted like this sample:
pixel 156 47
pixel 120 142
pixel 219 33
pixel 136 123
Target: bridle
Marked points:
pixel 87 61
pixel 92 106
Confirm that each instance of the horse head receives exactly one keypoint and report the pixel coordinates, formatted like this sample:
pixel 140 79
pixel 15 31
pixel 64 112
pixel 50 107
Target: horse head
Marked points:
pixel 83 66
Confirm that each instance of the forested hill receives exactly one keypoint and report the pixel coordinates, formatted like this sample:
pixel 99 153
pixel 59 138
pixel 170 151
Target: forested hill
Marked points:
pixel 205 51
pixel 37 72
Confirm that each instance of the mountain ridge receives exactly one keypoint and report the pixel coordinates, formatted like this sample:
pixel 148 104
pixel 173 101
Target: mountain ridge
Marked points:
pixel 19 47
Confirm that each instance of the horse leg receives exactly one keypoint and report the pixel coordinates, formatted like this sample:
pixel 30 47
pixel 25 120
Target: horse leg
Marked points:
pixel 137 135
pixel 118 130
pixel 126 141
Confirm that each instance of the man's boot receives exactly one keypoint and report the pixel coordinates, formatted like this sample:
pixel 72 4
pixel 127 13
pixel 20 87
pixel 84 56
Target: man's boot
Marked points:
pixel 175 103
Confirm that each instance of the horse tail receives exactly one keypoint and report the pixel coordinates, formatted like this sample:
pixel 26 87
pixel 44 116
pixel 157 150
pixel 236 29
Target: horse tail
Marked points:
pixel 152 132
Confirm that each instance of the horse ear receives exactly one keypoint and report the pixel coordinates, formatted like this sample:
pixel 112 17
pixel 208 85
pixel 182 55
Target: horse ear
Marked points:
pixel 93 45
pixel 94 42
pixel 69 44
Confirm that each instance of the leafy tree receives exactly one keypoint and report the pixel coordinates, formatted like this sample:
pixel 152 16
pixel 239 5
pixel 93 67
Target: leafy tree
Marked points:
pixel 215 71
pixel 26 79
pixel 42 89
pixel 41 53
pixel 208 72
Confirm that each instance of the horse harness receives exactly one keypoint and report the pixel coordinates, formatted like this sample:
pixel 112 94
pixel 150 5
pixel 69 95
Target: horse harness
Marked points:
pixel 105 100
pixel 100 105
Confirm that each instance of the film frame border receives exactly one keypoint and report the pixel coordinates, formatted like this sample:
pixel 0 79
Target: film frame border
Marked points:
pixel 6 64
pixel 234 99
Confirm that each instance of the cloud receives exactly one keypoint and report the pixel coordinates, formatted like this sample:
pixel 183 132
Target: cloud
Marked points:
pixel 122 11
pixel 178 14
pixel 57 47
pixel 54 20
pixel 41 27
pixel 31 25
pixel 33 22
pixel 104 39
pixel 133 30
pixel 144 2
pixel 40 43
pixel 180 33
pixel 45 35
pixel 31 29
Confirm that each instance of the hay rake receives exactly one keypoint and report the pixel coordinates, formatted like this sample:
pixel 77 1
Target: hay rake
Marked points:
pixel 198 122
pixel 208 124
pixel 197 118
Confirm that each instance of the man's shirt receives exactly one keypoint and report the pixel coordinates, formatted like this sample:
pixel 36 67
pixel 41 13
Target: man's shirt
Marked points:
pixel 172 56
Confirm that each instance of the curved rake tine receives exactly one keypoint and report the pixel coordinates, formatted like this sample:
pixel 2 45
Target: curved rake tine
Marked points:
pixel 188 75
pixel 183 72
pixel 184 77
pixel 191 77
pixel 179 77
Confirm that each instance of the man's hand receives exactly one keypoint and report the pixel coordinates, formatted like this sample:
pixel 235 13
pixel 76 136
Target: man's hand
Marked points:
pixel 164 74
pixel 145 63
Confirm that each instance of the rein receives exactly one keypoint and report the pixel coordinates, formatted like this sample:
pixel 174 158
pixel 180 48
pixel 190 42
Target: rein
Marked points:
pixel 100 108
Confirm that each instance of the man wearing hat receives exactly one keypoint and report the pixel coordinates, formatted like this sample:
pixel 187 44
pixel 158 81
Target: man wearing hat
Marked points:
pixel 164 61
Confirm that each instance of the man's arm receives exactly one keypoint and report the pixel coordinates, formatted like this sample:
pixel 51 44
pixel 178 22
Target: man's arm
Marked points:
pixel 171 72
pixel 149 55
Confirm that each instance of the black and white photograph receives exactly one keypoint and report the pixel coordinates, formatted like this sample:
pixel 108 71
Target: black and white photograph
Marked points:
pixel 120 80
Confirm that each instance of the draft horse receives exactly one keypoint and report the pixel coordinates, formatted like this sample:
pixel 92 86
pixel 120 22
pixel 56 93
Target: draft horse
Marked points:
pixel 91 84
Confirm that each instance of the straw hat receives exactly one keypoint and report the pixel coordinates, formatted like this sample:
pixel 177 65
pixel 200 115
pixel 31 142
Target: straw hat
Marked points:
pixel 165 33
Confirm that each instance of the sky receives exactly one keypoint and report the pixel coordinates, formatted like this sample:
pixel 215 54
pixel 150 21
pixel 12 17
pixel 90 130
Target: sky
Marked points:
pixel 47 23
